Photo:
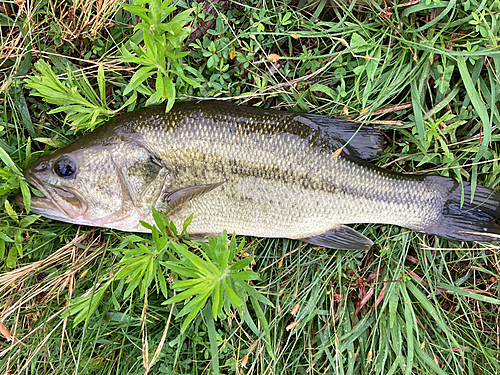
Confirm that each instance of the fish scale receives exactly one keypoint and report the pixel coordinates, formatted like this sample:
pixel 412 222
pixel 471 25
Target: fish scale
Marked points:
pixel 253 172
pixel 373 197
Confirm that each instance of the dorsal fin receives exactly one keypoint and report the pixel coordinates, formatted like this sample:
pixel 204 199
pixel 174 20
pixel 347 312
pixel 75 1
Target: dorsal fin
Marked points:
pixel 334 133
pixel 366 142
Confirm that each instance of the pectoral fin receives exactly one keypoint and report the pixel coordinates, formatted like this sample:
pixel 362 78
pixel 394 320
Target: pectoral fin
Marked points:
pixel 176 198
pixel 202 236
pixel 343 237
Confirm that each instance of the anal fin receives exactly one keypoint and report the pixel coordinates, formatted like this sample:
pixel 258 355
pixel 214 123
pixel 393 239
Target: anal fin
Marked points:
pixel 342 237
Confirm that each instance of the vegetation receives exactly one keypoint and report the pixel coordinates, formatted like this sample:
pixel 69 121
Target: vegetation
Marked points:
pixel 94 301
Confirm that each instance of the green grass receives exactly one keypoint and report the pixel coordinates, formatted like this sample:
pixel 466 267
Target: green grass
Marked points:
pixel 426 73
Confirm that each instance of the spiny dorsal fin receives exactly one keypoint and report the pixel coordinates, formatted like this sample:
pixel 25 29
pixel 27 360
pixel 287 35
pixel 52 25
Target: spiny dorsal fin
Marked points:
pixel 342 237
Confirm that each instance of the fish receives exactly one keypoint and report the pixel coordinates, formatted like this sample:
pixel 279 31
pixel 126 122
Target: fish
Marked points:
pixel 251 171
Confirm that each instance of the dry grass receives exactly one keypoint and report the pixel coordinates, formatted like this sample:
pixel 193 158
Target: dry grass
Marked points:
pixel 34 286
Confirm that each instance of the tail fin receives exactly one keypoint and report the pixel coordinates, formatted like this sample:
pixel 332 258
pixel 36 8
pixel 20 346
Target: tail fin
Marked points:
pixel 476 221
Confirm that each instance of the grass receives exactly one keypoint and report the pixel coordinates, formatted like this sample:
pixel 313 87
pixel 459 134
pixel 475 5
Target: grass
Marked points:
pixel 425 72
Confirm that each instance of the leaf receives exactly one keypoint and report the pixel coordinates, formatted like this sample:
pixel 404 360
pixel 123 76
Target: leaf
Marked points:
pixel 245 275
pixel 146 225
pixel 431 311
pixel 243 286
pixel 25 114
pixel 149 275
pixel 203 266
pixel 84 307
pixel 264 324
pixel 10 211
pixel 419 118
pixel 476 100
pixel 26 197
pixel 12 256
pixel 101 81
pixel 170 93
pixel 427 359
pixel 162 282
pixel 9 163
pixel 5 238
pixel 134 280
pixel 450 6
pixel 135 9
pixel 160 87
pixel 217 300
pixel 199 288
pixel 187 309
pixel 27 160
pixel 28 220
pixel 242 263
pixel 233 297
pixel 189 81
pixel 212 336
pixel 200 303
pixel 212 60
pixel 324 89
pixel 131 266
pixel 160 219
pixel 186 224
pixel 69 108
pixel 410 323
pixel 83 86
pixel 132 99
pixel 184 284
pixel 232 249
pixel 181 269
pixel 469 294
pixel 393 305
pixel 358 44
pixel 136 60
pixel 138 78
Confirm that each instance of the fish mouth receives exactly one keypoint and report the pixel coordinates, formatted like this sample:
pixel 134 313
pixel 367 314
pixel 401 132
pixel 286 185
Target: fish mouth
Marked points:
pixel 58 203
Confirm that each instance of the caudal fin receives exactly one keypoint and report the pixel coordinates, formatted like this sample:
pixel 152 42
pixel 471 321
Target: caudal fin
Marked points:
pixel 476 221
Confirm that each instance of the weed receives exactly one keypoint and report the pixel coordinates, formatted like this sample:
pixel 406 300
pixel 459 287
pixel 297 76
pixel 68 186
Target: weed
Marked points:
pixel 162 54
pixel 216 273
pixel 85 108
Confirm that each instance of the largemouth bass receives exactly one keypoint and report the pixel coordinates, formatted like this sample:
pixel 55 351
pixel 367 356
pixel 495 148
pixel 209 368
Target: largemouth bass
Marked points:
pixel 251 171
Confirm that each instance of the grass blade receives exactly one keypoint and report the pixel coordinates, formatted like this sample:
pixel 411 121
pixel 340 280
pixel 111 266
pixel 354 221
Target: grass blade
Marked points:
pixel 212 337
pixel 469 294
pixel 9 163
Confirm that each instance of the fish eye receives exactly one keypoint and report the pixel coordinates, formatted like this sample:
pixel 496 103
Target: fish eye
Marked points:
pixel 65 167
